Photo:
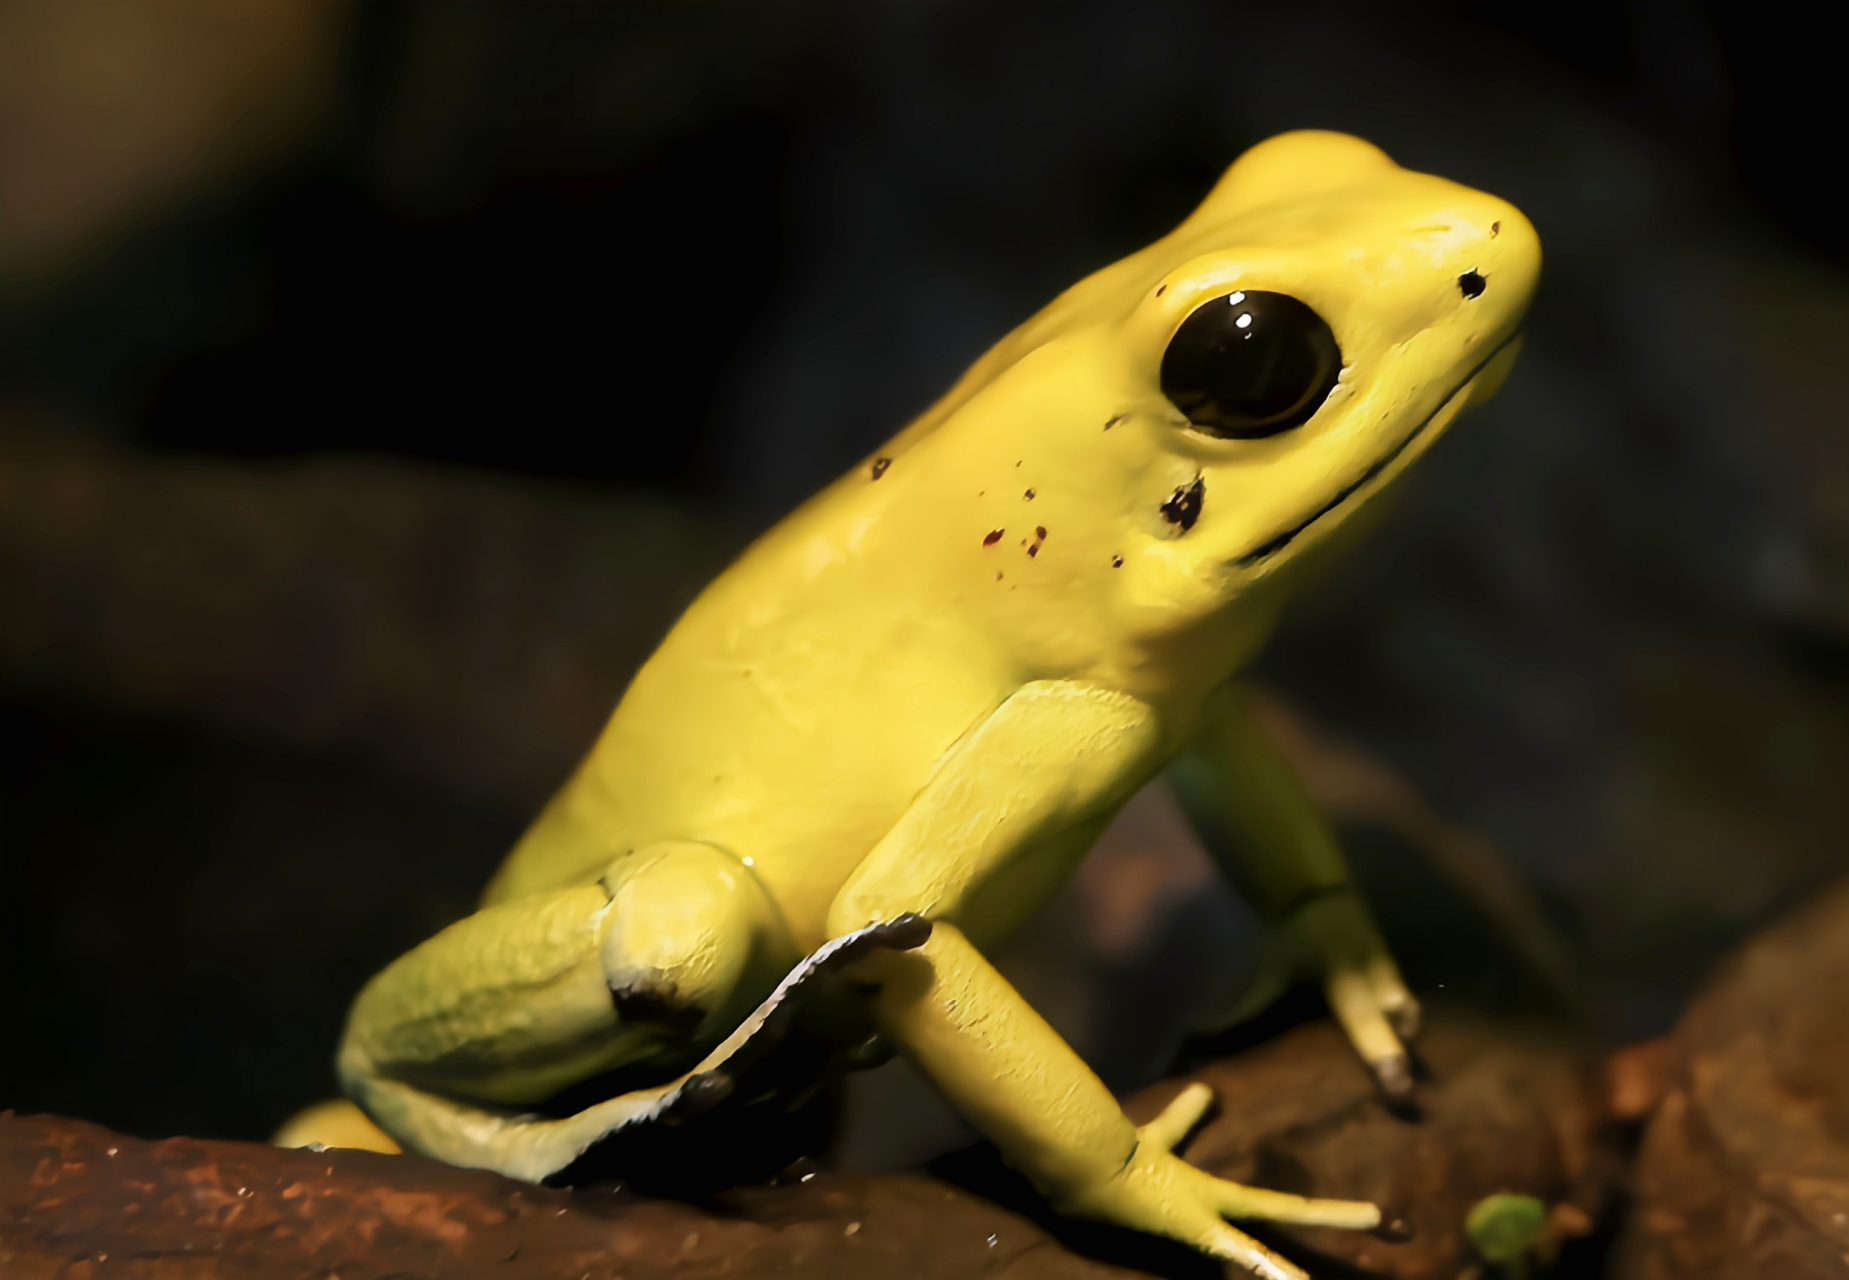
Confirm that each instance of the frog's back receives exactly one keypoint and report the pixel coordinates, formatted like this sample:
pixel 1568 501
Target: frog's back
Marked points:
pixel 788 717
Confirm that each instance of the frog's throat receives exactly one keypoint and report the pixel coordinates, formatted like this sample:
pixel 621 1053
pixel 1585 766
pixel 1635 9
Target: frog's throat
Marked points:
pixel 1265 550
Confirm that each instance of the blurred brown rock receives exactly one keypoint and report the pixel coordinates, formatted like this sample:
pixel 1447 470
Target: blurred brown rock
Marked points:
pixel 472 631
pixel 113 111
pixel 1744 1170
pixel 1500 1109
pixel 1506 1111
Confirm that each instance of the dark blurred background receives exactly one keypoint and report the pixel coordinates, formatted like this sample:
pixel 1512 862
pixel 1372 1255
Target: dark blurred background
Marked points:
pixel 378 379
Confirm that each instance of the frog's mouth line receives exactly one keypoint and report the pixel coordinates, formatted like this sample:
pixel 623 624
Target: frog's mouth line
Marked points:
pixel 1266 550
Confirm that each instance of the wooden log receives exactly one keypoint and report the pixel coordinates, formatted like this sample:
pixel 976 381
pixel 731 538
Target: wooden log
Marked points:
pixel 1505 1109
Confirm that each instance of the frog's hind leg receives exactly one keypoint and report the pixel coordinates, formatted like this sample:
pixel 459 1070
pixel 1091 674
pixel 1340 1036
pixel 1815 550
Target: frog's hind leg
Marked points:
pixel 452 1046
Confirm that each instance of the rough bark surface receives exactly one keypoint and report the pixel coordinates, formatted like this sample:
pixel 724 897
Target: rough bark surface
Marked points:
pixel 1504 1110
pixel 1744 1170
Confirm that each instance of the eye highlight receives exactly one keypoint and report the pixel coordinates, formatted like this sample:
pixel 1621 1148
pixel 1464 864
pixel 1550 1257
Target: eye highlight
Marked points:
pixel 1250 364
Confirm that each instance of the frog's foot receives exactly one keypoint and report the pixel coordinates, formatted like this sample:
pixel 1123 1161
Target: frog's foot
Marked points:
pixel 1362 984
pixel 334 1123
pixel 1159 1192
pixel 1379 1016
pixel 1332 939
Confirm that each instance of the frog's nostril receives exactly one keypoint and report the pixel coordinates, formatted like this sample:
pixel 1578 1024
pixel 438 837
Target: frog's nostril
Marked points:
pixel 1471 285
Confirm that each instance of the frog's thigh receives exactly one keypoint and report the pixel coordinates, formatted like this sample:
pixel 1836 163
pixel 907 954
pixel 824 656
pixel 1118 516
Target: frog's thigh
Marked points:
pixel 520 1000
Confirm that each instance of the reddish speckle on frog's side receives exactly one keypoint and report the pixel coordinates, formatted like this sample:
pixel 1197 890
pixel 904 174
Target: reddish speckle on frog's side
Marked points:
pixel 995 536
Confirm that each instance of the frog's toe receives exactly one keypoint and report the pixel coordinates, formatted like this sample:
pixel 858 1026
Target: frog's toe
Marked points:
pixel 1394 1075
pixel 1237 1247
pixel 335 1123
pixel 1369 1028
pixel 1178 1118
pixel 1403 1012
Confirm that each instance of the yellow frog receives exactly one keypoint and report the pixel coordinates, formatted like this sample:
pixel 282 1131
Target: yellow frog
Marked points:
pixel 890 731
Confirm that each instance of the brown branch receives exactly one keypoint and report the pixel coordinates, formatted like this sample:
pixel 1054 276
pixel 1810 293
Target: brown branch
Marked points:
pixel 1507 1110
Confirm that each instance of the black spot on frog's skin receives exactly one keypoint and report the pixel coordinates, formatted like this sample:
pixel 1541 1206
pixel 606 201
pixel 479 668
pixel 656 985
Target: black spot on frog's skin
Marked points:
pixel 1471 285
pixel 995 536
pixel 1029 495
pixel 1161 289
pixel 1495 229
pixel 1040 532
pixel 1122 417
pixel 1039 537
pixel 1184 505
pixel 879 467
pixel 1117 562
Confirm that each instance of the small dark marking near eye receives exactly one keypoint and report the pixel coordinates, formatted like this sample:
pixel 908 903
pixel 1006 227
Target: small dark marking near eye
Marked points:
pixel 995 536
pixel 1034 550
pixel 1471 285
pixel 1495 229
pixel 879 467
pixel 1161 289
pixel 1040 532
pixel 1117 562
pixel 1184 505
pixel 1122 417
pixel 1029 495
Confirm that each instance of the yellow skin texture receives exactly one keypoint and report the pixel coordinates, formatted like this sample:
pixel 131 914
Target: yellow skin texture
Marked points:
pixel 880 709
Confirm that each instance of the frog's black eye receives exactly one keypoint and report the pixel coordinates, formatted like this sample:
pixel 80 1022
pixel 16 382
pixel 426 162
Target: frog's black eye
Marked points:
pixel 1250 364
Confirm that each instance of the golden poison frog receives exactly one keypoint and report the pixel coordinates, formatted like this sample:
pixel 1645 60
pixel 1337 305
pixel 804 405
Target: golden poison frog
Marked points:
pixel 886 734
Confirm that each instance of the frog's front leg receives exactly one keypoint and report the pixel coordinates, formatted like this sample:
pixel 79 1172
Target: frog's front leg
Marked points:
pixel 1056 757
pixel 1253 814
pixel 451 1042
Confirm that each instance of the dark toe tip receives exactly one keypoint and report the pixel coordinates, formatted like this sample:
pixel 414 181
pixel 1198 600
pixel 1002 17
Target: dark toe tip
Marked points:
pixel 1395 1076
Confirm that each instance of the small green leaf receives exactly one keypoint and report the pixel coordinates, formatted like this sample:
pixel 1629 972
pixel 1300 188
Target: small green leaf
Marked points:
pixel 1505 1227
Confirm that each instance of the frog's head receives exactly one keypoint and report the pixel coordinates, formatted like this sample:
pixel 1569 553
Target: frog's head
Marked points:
pixel 1305 335
pixel 1189 422
pixel 1237 390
